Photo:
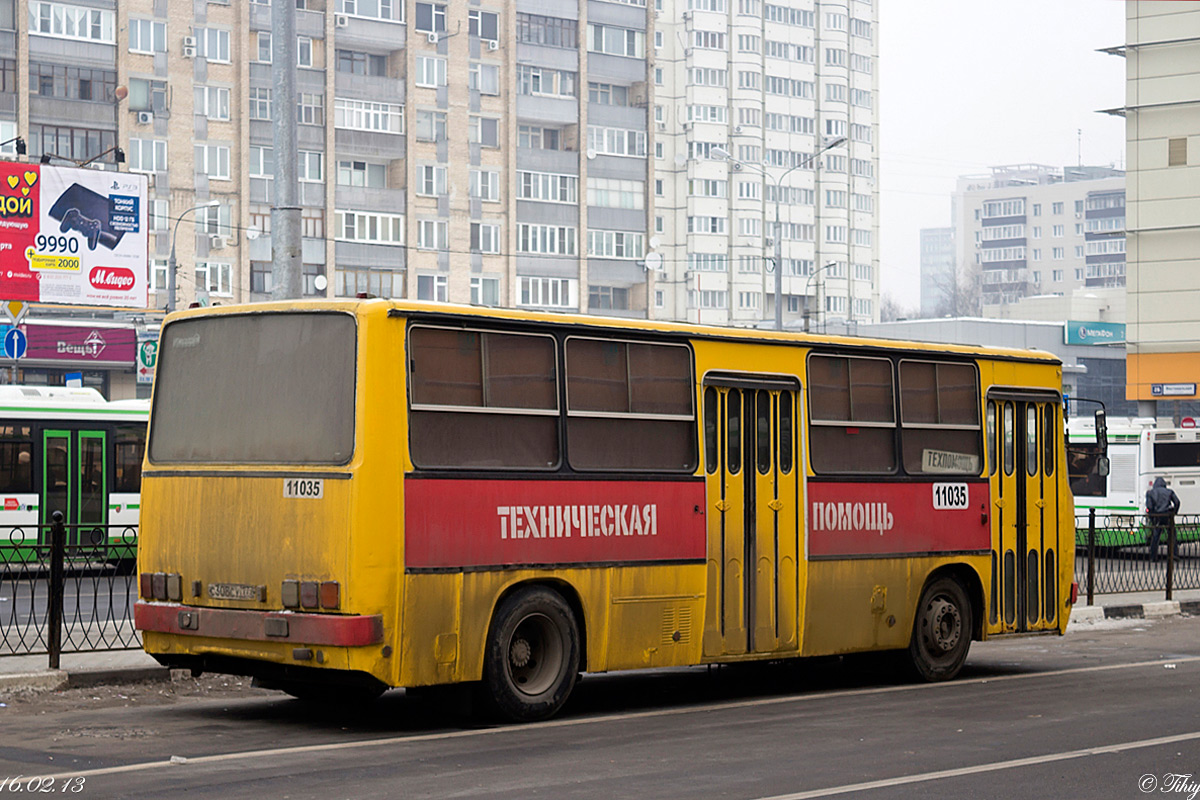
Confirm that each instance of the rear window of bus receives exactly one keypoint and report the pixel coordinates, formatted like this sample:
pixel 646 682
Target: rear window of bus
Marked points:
pixel 255 389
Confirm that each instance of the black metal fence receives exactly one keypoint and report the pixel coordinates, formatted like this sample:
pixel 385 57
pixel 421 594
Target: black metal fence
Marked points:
pixel 67 589
pixel 1113 554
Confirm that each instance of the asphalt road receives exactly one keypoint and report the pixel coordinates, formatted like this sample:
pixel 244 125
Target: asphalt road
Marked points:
pixel 1086 715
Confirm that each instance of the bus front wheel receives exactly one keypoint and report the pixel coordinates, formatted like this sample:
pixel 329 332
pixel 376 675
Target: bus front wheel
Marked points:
pixel 941 633
pixel 532 656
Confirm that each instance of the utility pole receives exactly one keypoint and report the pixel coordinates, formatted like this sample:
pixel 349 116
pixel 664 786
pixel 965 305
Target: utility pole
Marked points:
pixel 287 277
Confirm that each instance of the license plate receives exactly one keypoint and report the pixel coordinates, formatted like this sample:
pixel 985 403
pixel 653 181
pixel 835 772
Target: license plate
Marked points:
pixel 233 591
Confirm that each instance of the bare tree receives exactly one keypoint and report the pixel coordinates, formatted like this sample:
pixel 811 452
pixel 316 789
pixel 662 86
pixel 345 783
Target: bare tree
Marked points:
pixel 890 309
pixel 961 292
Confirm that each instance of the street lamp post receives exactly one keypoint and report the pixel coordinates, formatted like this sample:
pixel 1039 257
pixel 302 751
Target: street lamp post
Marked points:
pixel 722 153
pixel 171 260
pixel 808 283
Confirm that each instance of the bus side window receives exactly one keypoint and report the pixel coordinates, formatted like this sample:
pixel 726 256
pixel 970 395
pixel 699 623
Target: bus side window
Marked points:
pixel 712 442
pixel 129 447
pixel 763 436
pixel 1031 439
pixel 733 431
pixel 852 419
pixel 991 436
pixel 16 458
pixel 786 433
pixel 1009 443
pixel 1049 437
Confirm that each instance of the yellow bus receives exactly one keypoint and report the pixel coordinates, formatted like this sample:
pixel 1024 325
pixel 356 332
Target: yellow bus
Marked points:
pixel 345 496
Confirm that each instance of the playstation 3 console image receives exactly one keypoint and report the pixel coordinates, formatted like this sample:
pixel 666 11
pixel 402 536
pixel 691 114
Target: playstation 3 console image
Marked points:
pixel 80 209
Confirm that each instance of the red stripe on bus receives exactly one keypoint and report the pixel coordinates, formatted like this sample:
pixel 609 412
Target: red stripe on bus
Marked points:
pixel 475 523
pixel 228 623
pixel 853 519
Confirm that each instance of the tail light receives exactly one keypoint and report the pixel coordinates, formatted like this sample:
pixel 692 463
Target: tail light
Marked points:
pixel 161 586
pixel 330 595
pixel 308 594
pixel 1074 592
pixel 311 594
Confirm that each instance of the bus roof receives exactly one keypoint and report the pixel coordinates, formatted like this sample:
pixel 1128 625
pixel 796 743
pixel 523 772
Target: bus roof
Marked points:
pixel 453 311
pixel 62 402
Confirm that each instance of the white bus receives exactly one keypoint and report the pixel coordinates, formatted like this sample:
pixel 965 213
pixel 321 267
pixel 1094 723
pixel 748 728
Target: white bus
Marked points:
pixel 1138 453
pixel 69 450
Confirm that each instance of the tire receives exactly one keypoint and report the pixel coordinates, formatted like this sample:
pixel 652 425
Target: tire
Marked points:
pixel 532 656
pixel 942 630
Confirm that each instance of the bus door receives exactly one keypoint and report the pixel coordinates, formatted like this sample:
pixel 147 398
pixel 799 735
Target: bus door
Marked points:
pixel 752 488
pixel 1025 496
pixel 74 471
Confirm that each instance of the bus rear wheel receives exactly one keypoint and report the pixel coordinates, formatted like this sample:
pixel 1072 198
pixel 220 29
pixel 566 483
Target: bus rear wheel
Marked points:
pixel 532 656
pixel 941 633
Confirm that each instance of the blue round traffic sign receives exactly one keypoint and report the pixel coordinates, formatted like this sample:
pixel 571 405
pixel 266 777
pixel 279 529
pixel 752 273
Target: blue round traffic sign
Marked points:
pixel 15 343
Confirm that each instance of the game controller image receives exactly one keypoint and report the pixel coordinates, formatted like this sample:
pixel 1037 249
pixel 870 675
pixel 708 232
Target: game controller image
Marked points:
pixel 74 220
pixel 81 204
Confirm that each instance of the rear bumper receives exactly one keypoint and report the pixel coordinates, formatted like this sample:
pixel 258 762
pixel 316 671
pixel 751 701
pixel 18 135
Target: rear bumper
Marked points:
pixel 263 626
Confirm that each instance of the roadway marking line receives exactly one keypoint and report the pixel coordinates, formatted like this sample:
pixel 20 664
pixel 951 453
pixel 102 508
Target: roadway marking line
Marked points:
pixel 1031 761
pixel 633 715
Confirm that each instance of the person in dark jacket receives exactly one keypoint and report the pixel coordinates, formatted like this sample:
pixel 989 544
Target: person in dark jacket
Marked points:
pixel 1161 505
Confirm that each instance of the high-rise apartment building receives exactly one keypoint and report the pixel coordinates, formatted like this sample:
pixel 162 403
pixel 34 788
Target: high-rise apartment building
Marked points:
pixel 747 94
pixel 1162 132
pixel 938 270
pixel 517 153
pixel 1038 230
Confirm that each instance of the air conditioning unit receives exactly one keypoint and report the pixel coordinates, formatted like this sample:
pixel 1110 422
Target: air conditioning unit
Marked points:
pixel 216 242
pixel 493 44
pixel 189 52
pixel 145 117
pixel 341 21
pixel 189 41
pixel 431 37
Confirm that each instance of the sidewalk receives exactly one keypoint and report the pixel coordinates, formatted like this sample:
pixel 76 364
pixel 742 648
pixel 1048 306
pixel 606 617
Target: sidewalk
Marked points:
pixel 30 673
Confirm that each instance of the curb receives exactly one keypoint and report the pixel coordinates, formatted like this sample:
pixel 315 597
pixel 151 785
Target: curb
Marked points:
pixel 51 680
pixel 1155 610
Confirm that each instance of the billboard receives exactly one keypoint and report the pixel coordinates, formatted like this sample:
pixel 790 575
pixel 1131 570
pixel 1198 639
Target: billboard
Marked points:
pixel 71 235
pixel 1094 332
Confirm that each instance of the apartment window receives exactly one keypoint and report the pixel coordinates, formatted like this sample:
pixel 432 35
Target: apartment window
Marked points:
pixel 538 138
pixel 861 98
pixel 71 22
pixel 708 298
pixel 311 109
pixel 263 40
pixel 1037 209
pixel 547 239
pixel 485 237
pixel 1177 152
pixel 485 291
pixel 212 160
pixel 73 83
pixel 749 190
pixel 158 215
pixel 432 234
pixel 145 155
pixel 750 226
pixel 748 79
pixel 484 24
pixel 388 10
pixel 861 63
pixel 369 227
pixel 260 103
pixel 1037 254
pixel 835 92
pixel 608 94
pixel 835 57
pixel 485 185
pixel 547 292
pixel 158 275
pixel 1058 253
pixel 215 220
pixel 835 198
pixel 431 71
pixel 615 244
pixel 545 81
pixel 835 22
pixel 602 298
pixel 549 31
pixel 352 282
pixel 212 102
pixel 1078 251
pixel 432 287
pixel 708 262
pixel 707 76
pixel 304 52
pixel 1056 275
pixel 1056 208
pixel 860 28
pixel 147 36
pixel 431 180
pixel 213 44
pixel 214 277
pixel 749 116
pixel 617 41
pixel 362 173
pixel 484 131
pixel 431 126
pixel 547 187
pixel 261 163
pixel 431 18
pixel 616 141
pixel 1058 230
pixel 355 63
pixel 658 40
pixel 484 78
pixel 1037 276
pixel 706 225
pixel 362 115
pixel 707 40
pixel 748 43
pixel 614 193
pixel 749 301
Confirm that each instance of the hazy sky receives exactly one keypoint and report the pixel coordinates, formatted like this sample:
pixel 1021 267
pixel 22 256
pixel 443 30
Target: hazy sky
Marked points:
pixel 968 84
